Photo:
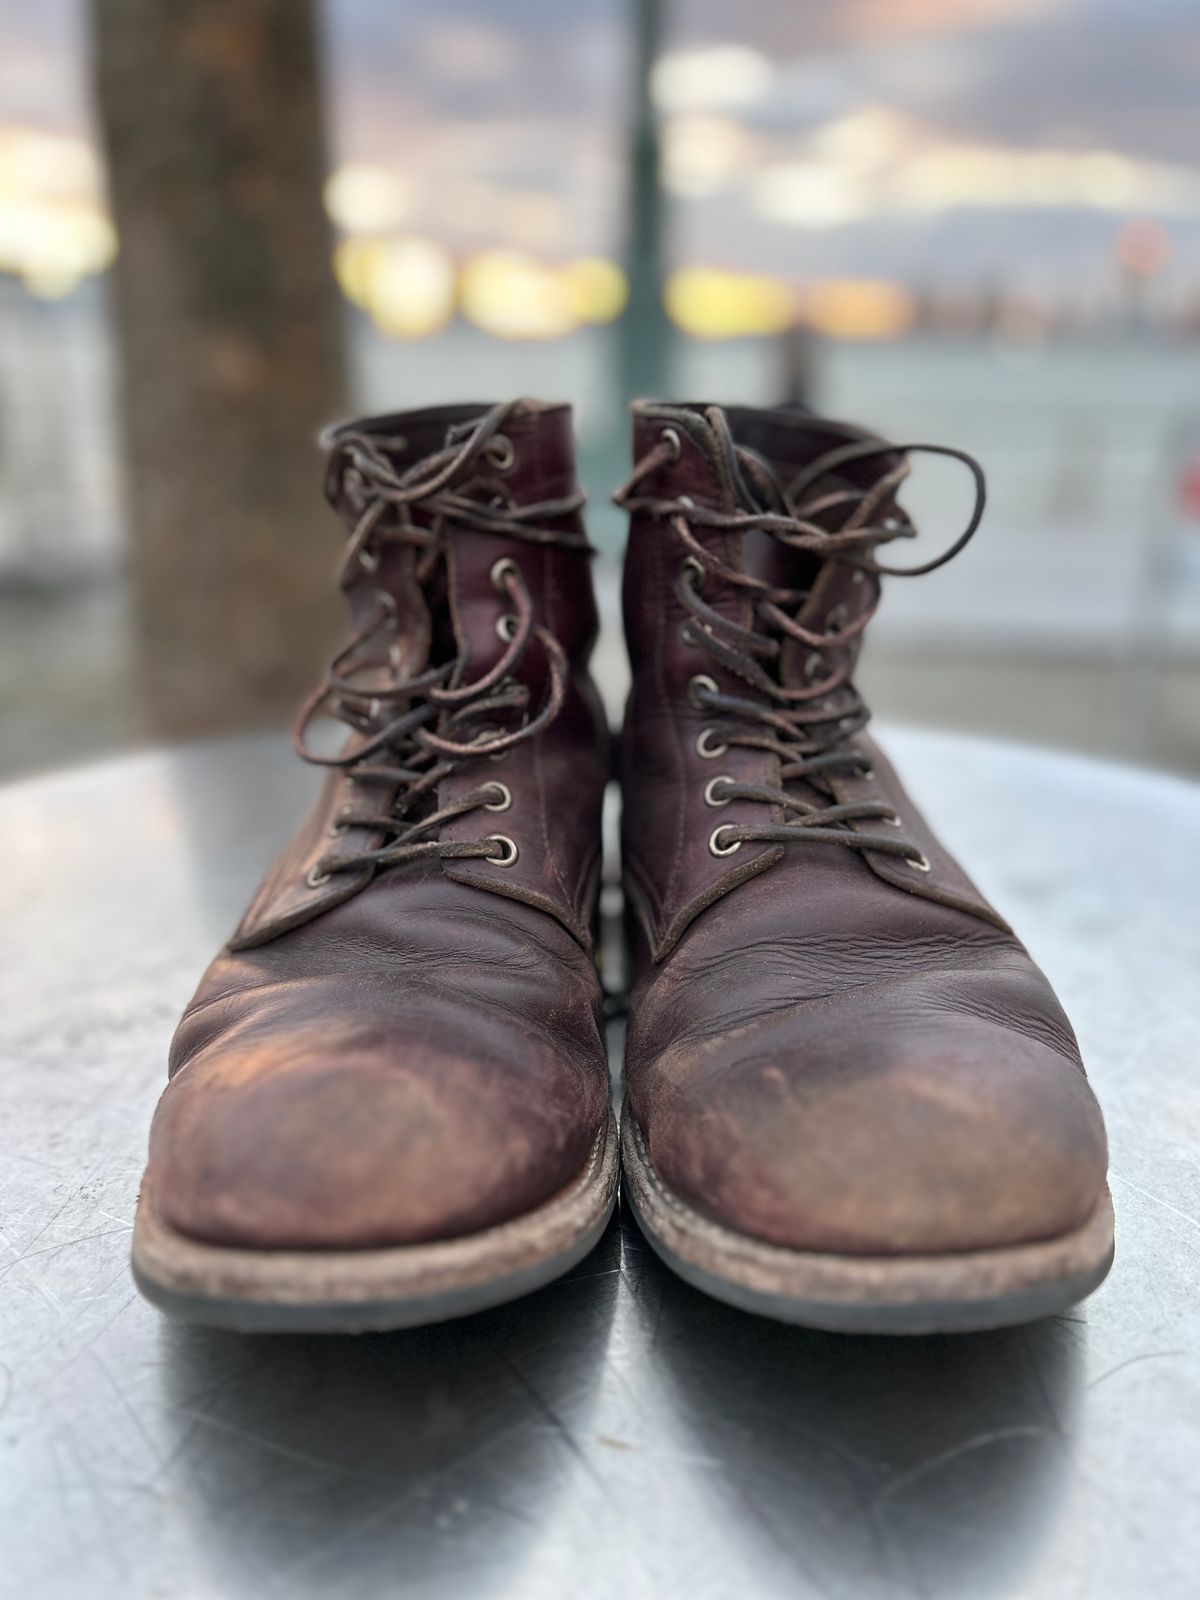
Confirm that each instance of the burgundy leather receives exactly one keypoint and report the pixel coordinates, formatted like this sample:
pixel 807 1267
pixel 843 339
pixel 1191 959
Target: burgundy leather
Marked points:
pixel 416 1052
pixel 828 1049
pixel 558 863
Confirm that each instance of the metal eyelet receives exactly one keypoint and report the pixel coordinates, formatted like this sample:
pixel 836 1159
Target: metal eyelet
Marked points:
pixel 814 662
pixel 710 798
pixel 506 627
pixel 336 828
pixel 837 619
pixel 368 560
pixel 707 751
pixel 858 577
pixel 316 879
pixel 499 451
pixel 506 567
pixel 722 849
pixel 700 681
pixel 696 567
pixel 505 793
pixel 670 437
pixel 511 852
pixel 867 774
pixel 918 863
pixel 892 821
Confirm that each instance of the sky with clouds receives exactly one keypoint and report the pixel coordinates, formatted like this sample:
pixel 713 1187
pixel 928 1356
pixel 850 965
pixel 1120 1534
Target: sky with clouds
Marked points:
pixel 936 141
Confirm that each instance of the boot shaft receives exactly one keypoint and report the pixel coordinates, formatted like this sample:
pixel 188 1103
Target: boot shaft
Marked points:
pixel 736 463
pixel 751 574
pixel 481 485
pixel 476 737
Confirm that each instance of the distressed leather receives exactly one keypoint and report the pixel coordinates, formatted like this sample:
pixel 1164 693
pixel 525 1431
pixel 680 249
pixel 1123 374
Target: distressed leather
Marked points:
pixel 415 1052
pixel 558 862
pixel 827 1049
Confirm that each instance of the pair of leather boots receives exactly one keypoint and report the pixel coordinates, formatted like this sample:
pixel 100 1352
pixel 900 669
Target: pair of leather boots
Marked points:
pixel 852 1101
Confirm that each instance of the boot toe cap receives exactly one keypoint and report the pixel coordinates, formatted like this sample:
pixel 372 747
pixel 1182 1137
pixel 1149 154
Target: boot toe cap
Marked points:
pixel 340 1138
pixel 904 1139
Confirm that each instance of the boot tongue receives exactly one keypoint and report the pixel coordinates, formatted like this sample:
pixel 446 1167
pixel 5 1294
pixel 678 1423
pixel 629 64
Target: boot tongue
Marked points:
pixel 534 466
pixel 451 605
pixel 765 557
pixel 778 448
pixel 393 574
pixel 759 487
pixel 774 448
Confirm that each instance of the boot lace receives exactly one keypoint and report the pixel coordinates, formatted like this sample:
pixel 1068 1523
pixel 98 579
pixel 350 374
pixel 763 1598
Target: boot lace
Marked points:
pixel 411 732
pixel 811 727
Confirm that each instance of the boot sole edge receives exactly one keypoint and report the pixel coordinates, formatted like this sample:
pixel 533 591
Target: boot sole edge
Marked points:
pixel 839 1293
pixel 374 1290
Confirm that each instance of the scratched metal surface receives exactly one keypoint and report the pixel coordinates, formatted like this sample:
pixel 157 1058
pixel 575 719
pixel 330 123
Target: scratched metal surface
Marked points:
pixel 616 1434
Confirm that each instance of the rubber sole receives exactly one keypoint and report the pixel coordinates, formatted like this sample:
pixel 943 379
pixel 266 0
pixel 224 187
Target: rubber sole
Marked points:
pixel 357 1291
pixel 959 1293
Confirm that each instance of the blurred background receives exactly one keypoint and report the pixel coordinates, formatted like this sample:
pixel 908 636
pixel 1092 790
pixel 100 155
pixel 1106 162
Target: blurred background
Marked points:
pixel 224 221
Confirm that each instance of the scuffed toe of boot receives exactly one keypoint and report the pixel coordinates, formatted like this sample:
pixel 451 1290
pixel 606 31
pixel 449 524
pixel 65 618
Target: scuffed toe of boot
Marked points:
pixel 389 1101
pixel 856 1103
pixel 881 1135
pixel 336 1139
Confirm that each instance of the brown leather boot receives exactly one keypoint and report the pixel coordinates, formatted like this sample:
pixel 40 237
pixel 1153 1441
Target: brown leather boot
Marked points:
pixel 853 1101
pixel 388 1100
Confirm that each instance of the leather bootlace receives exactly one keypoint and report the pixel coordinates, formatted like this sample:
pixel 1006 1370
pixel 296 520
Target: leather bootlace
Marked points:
pixel 808 727
pixel 411 732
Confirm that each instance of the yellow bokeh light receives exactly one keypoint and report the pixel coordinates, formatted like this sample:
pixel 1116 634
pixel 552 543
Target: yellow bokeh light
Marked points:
pixel 52 247
pixel 711 304
pixel 810 194
pixel 710 77
pixel 406 285
pixel 48 166
pixel 597 288
pixel 366 199
pixel 352 268
pixel 410 287
pixel 864 308
pixel 513 296
pixel 53 228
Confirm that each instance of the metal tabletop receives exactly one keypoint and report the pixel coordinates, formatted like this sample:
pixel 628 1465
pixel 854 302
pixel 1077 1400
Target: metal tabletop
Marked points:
pixel 618 1433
